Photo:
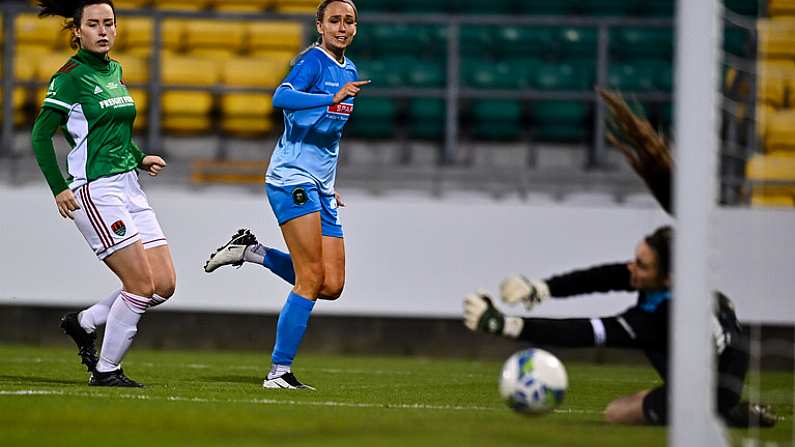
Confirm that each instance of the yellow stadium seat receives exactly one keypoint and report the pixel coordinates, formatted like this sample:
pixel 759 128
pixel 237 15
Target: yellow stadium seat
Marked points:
pixel 230 171
pixel 23 69
pixel 241 5
pixel 297 6
pixel 781 8
pixel 774 78
pixel 174 34
pixel 49 64
pixel 281 60
pixel 187 112
pixel 189 70
pixel 772 179
pixel 182 5
pixel 763 112
pixel 214 34
pixel 253 72
pixel 47 32
pixel 133 32
pixel 246 114
pixel 131 4
pixel 19 99
pixel 218 55
pixel 780 132
pixel 285 36
pixel 134 68
pixel 777 37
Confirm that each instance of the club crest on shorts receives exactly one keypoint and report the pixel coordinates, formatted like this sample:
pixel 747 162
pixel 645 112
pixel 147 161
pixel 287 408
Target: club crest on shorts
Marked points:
pixel 119 228
pixel 299 196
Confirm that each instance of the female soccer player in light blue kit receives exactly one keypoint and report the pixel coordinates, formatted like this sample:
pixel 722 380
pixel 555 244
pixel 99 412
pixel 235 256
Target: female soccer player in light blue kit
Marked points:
pixel 317 99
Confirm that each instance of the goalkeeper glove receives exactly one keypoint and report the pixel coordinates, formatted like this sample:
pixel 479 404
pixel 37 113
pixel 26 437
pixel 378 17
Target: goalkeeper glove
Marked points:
pixel 481 315
pixel 517 289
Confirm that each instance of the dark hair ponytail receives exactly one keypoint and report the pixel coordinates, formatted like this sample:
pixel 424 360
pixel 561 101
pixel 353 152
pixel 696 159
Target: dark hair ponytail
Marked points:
pixel 71 10
pixel 660 242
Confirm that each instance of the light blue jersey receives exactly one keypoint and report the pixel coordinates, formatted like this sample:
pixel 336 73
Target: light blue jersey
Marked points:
pixel 308 149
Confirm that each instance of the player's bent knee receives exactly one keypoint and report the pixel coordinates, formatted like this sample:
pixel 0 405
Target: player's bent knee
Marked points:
pixel 165 291
pixel 140 287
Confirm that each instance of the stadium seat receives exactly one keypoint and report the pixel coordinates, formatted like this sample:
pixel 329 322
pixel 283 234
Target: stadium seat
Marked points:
pixel 477 41
pixel 131 4
pixel 424 6
pixel 494 75
pixel 387 72
pixel 427 118
pixel 47 64
pixel 296 6
pixel 134 68
pixel 217 34
pixel 427 73
pixel 641 42
pixel 559 121
pixel 47 32
pixel 638 76
pixel 253 72
pixel 546 7
pixel 246 114
pixel 737 41
pixel 187 112
pixel 487 7
pixel 576 42
pixel 134 33
pixel 522 42
pixel 772 179
pixel 617 8
pixel 777 37
pixel 189 71
pixel 182 5
pixel 772 81
pixel 284 36
pixel 241 5
pixel 744 7
pixel 373 118
pixel 763 113
pixel 781 8
pixel 217 55
pixel 657 8
pixel 573 76
pixel 780 131
pixel 378 6
pixel 496 119
pixel 19 99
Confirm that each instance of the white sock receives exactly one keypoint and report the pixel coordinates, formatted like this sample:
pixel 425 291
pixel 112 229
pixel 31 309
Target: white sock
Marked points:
pixel 95 316
pixel 120 330
pixel 278 370
pixel 255 253
pixel 157 300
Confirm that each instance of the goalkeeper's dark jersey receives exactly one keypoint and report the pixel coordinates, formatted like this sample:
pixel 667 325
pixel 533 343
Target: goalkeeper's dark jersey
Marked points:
pixel 644 326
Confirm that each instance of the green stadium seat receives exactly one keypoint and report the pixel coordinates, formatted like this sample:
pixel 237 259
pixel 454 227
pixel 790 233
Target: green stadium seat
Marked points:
pixel 423 6
pixel 559 121
pixel 496 119
pixel 477 41
pixel 744 7
pixel 519 41
pixel 547 7
pixel 486 7
pixel 640 42
pixel 571 76
pixel 383 72
pixel 658 8
pixel 603 8
pixel 737 41
pixel 376 118
pixel 493 75
pixel 427 73
pixel 427 118
pixel 375 6
pixel 631 77
pixel 576 41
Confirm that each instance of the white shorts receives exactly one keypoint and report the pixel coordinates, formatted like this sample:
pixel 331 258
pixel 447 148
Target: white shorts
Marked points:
pixel 114 213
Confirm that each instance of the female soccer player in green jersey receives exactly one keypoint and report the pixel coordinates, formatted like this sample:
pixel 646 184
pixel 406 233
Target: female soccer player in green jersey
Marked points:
pixel 88 100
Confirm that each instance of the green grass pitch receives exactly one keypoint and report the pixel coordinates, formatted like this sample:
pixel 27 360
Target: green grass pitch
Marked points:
pixel 215 398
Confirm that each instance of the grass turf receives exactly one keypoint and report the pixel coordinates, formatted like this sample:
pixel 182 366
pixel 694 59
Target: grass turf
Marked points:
pixel 215 398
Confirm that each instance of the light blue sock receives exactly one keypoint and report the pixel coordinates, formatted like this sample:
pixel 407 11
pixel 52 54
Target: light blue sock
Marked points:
pixel 280 263
pixel 290 329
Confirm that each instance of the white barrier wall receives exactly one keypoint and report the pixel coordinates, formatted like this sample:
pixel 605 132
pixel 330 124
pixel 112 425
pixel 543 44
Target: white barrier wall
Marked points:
pixel 406 257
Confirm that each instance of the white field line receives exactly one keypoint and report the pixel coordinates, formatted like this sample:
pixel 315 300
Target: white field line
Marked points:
pixel 28 393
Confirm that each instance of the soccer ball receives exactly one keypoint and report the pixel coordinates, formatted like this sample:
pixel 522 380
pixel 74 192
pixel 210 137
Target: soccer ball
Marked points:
pixel 533 381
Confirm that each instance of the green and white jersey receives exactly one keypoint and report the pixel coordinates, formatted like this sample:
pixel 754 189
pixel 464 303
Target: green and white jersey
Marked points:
pixel 99 117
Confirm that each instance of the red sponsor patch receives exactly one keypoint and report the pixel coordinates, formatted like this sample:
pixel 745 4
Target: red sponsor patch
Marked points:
pixel 341 108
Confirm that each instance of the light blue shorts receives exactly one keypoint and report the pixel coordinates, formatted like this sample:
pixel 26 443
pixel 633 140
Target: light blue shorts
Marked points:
pixel 289 202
